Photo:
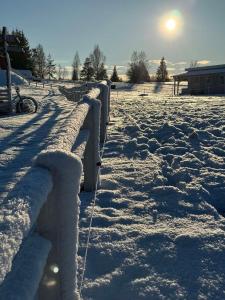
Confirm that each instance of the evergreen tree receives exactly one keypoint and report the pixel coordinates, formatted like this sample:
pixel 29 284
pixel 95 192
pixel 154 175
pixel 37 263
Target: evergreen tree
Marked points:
pixel 21 60
pixel 98 62
pixel 138 68
pixel 162 73
pixel 115 77
pixel 102 73
pixel 39 61
pixel 87 72
pixel 50 67
pixel 75 75
pixel 76 67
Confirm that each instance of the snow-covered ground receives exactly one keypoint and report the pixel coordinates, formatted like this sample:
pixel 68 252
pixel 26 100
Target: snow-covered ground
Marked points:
pixel 23 136
pixel 158 225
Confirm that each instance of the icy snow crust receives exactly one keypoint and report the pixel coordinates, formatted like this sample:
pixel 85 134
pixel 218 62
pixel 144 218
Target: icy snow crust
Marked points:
pixel 158 229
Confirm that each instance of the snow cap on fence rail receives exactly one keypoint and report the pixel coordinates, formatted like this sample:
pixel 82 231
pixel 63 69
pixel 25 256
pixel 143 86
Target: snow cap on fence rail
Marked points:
pixel 66 169
pixel 19 212
pixel 71 127
pixel 23 281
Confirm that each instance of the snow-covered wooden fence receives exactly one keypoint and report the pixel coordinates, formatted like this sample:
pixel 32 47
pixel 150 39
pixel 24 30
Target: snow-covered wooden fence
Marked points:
pixel 76 93
pixel 38 243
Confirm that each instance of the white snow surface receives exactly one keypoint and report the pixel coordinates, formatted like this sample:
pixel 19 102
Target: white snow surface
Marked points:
pixel 158 225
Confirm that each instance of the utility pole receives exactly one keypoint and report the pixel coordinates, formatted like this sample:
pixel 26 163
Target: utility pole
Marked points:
pixel 8 68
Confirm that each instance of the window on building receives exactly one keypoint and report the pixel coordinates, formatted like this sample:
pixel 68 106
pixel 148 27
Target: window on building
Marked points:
pixel 222 81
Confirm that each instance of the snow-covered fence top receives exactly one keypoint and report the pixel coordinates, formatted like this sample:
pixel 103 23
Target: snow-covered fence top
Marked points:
pixel 76 93
pixel 18 214
pixel 44 213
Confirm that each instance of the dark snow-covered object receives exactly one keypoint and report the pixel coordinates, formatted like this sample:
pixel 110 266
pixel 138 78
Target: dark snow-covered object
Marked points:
pixel 16 79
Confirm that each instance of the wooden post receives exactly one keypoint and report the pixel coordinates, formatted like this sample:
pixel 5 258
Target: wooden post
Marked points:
pixel 174 87
pixel 58 222
pixel 8 69
pixel 178 83
pixel 104 110
pixel 109 82
pixel 92 163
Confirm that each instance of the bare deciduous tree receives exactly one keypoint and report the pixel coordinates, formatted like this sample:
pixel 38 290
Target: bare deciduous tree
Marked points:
pixel 138 68
pixel 39 61
pixel 98 62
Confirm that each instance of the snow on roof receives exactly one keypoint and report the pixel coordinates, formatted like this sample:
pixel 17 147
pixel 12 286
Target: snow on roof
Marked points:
pixel 26 74
pixel 217 69
pixel 16 79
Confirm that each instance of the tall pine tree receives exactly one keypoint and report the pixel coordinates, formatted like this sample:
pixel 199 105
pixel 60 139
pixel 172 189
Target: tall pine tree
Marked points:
pixel 162 73
pixel 21 60
pixel 87 72
pixel 50 67
pixel 115 77
pixel 76 67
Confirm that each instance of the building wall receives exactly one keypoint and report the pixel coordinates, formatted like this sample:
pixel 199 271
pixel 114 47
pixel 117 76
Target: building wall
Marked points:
pixel 207 84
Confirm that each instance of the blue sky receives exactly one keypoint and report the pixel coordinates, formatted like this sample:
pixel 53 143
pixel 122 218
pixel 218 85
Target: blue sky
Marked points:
pixel 120 27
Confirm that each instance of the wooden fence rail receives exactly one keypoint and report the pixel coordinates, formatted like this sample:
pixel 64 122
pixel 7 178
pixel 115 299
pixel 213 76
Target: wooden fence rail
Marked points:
pixel 43 264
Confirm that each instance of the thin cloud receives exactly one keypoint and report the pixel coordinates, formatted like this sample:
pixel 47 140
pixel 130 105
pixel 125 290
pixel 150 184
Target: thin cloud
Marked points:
pixel 155 61
pixel 61 61
pixel 171 69
pixel 203 62
pixel 181 63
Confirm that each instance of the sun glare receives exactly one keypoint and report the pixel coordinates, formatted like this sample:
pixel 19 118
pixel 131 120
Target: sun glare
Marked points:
pixel 171 24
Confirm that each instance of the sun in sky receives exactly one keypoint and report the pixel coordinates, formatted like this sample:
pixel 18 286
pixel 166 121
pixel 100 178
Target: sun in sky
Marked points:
pixel 171 24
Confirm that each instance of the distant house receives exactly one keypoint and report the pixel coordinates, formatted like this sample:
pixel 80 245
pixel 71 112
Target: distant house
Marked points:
pixel 202 80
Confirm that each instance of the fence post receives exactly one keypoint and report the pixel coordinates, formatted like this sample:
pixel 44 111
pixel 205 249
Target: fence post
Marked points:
pixel 92 163
pixel 104 110
pixel 109 82
pixel 58 222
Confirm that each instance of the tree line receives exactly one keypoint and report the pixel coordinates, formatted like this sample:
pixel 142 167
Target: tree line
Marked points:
pixel 93 67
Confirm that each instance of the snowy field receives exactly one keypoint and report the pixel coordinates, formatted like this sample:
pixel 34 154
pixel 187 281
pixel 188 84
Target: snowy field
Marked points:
pixel 158 225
